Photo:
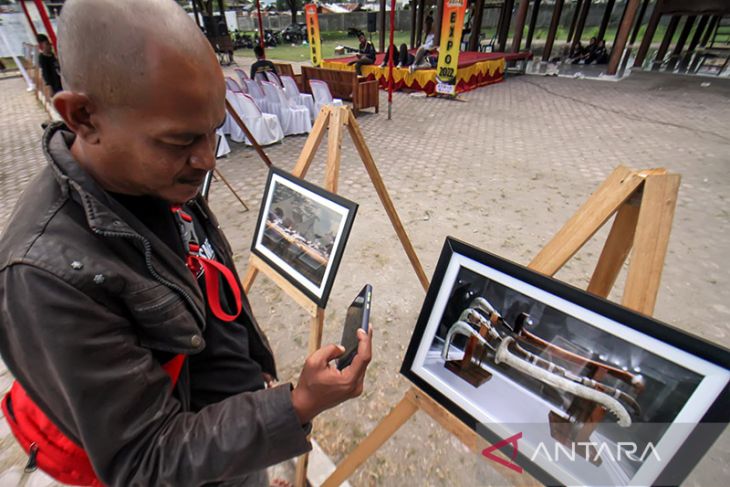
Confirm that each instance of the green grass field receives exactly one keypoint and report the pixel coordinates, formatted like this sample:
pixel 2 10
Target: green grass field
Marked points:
pixel 330 40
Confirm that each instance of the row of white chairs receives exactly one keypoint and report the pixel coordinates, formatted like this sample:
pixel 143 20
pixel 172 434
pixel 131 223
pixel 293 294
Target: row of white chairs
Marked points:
pixel 271 112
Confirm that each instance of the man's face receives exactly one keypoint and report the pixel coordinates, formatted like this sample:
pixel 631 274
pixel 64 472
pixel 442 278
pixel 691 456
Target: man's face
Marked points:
pixel 163 145
pixel 361 38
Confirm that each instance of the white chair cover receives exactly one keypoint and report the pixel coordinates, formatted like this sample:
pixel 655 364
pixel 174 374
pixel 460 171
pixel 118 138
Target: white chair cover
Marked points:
pixel 293 118
pixel 274 78
pixel 223 148
pixel 241 74
pixel 260 77
pixel 322 95
pixel 255 91
pixel 264 127
pixel 232 84
pixel 301 99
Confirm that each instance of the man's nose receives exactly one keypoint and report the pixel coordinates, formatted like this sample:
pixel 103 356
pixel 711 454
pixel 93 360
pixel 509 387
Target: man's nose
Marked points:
pixel 203 154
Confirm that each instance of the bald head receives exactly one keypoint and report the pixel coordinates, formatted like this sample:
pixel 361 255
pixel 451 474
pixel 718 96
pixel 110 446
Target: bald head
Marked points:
pixel 111 50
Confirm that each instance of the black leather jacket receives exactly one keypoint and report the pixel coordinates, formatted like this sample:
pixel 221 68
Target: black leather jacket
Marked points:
pixel 90 300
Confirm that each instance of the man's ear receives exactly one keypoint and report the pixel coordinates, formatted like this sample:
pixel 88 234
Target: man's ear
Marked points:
pixel 77 110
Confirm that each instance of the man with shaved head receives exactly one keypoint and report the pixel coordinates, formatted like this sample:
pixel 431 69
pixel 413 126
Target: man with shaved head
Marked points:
pixel 136 356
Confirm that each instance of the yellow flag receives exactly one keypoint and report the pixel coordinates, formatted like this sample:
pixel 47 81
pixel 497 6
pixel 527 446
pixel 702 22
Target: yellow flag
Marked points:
pixel 315 47
pixel 451 27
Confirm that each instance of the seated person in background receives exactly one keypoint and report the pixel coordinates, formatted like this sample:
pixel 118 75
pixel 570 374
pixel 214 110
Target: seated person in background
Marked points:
pixel 365 54
pixel 599 54
pixel 48 64
pixel 587 52
pixel 262 65
pixel 401 58
pixel 576 50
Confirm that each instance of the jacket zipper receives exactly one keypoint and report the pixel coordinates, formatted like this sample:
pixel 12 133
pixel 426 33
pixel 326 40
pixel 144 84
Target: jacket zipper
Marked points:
pixel 148 263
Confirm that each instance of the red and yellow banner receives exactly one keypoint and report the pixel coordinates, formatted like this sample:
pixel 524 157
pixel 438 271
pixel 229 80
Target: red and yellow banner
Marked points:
pixel 315 47
pixel 450 41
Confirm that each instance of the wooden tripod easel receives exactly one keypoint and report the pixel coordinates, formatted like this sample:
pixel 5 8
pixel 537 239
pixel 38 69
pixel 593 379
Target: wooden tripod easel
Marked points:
pixel 333 119
pixel 644 203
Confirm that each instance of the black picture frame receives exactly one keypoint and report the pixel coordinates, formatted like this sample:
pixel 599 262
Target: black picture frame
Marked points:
pixel 699 435
pixel 302 256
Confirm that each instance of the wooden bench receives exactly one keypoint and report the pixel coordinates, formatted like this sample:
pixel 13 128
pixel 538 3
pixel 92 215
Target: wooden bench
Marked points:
pixel 345 85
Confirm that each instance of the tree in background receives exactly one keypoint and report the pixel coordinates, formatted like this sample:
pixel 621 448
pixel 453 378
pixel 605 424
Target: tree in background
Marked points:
pixel 292 5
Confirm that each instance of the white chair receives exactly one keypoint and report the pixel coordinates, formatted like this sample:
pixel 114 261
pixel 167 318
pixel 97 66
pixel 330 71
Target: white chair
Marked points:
pixel 301 99
pixel 241 74
pixel 255 91
pixel 294 119
pixel 264 127
pixel 274 78
pixel 260 77
pixel 232 84
pixel 223 148
pixel 322 95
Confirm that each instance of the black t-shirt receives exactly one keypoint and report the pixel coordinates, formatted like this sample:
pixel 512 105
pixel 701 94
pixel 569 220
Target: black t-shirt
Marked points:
pixel 49 69
pixel 224 367
pixel 262 66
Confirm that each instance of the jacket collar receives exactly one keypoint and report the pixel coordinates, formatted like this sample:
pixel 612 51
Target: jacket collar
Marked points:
pixel 103 213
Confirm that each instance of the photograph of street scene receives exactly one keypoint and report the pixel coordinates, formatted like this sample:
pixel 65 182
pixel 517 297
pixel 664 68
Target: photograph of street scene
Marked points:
pixel 301 230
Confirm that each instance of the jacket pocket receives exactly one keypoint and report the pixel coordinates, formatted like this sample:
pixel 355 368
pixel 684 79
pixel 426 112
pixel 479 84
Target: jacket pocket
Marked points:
pixel 163 320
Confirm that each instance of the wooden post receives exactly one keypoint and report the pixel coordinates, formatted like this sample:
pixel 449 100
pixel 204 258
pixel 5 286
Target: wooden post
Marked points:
pixel 438 20
pixel 677 51
pixel 419 27
pixel 581 22
pixel 649 34
pixel 606 19
pixel 476 25
pixel 574 20
pixel 623 32
pixel 639 20
pixel 519 25
pixel 710 30
pixel 664 47
pixel 533 22
pixel 414 6
pixel 381 18
pixel 701 25
pixel 557 10
pixel 505 24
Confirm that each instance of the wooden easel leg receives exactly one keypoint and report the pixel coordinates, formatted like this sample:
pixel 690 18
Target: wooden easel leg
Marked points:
pixel 312 143
pixel 385 429
pixel 315 341
pixel 369 162
pixel 615 250
pixel 586 221
pixel 334 149
pixel 225 181
pixel 249 277
pixel 650 242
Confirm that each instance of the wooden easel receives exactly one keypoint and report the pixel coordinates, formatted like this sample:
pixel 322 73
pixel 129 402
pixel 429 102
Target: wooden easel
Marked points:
pixel 333 119
pixel 644 203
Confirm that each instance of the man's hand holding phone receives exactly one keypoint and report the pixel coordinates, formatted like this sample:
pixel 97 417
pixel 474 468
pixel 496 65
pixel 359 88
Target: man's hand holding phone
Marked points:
pixel 322 386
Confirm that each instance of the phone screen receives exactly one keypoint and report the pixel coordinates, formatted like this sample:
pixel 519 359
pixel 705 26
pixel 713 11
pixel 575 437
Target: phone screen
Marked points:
pixel 358 316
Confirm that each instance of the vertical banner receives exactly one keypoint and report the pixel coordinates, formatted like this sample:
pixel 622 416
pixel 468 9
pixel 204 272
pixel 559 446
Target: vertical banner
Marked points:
pixel 315 48
pixel 450 41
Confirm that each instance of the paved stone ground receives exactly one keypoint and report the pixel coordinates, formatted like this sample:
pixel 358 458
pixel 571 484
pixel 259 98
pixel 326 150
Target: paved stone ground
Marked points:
pixel 503 168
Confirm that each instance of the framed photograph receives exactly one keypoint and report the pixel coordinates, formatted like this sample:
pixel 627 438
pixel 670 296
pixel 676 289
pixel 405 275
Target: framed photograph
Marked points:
pixel 585 391
pixel 302 231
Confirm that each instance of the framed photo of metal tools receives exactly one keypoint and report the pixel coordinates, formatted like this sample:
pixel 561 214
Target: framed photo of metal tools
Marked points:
pixel 586 391
pixel 301 232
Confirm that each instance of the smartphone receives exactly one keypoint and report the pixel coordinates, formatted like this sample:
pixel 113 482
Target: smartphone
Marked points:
pixel 358 316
